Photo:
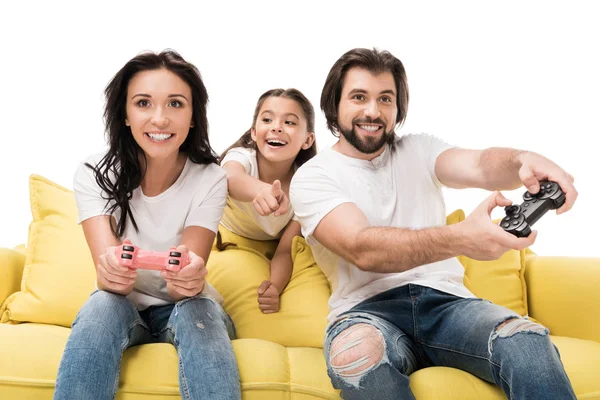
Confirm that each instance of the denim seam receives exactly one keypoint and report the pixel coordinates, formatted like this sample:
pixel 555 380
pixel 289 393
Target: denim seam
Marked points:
pixel 414 300
pixel 459 352
pixel 123 348
pixel 510 391
pixel 184 384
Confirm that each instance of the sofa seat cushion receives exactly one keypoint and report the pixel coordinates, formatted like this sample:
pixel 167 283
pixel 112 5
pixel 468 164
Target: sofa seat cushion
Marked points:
pixel 581 359
pixel 237 272
pixel 30 355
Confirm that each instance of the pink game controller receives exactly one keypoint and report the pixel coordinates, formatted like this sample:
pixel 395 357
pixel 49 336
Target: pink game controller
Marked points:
pixel 134 257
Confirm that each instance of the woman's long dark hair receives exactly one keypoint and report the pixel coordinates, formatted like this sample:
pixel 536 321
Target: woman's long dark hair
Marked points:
pixel 309 113
pixel 119 172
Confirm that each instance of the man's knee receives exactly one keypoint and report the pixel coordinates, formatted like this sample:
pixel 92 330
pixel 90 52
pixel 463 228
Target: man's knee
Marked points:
pixel 516 325
pixel 356 351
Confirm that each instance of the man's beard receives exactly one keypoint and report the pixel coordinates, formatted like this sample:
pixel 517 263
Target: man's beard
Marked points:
pixel 368 145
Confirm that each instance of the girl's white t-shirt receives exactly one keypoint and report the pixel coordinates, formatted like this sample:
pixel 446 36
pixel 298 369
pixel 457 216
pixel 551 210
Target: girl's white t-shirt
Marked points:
pixel 197 198
pixel 240 217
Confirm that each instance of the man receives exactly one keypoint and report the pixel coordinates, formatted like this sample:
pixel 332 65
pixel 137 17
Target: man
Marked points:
pixel 372 209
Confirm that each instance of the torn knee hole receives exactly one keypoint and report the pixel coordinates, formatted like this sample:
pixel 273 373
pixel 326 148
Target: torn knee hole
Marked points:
pixel 356 350
pixel 516 325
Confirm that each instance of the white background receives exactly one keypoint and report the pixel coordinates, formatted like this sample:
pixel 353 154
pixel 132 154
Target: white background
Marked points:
pixel 517 74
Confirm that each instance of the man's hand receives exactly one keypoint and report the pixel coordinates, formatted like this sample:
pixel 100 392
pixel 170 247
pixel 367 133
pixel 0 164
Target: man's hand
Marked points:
pixel 482 239
pixel 268 297
pixel 111 275
pixel 271 199
pixel 536 168
pixel 189 280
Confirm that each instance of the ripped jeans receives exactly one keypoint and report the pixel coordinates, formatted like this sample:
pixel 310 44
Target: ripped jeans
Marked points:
pixel 108 324
pixel 372 349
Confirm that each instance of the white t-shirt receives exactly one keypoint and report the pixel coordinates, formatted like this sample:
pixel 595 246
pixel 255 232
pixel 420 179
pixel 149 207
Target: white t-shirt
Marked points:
pixel 240 217
pixel 197 198
pixel 399 188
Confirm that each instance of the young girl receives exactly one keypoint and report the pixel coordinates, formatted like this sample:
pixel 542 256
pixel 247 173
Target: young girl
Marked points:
pixel 260 166
pixel 158 185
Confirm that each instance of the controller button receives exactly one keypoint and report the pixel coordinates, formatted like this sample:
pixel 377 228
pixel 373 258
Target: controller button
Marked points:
pixel 174 262
pixel 174 254
pixel 534 200
pixel 127 248
pixel 526 205
pixel 515 222
pixel 126 256
pixel 506 224
pixel 512 209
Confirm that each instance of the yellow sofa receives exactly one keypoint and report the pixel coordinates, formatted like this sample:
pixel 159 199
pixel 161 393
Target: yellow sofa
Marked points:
pixel 43 284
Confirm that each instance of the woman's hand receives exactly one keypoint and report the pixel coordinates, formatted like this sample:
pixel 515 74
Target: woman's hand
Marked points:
pixel 189 280
pixel 111 275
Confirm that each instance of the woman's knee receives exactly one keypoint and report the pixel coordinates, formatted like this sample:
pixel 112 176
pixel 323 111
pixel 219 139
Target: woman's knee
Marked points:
pixel 106 306
pixel 199 313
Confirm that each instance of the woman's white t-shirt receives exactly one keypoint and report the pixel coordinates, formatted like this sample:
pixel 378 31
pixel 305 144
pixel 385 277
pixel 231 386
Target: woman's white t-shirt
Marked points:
pixel 197 198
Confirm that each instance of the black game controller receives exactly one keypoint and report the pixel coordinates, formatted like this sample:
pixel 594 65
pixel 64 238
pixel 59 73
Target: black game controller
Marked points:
pixel 520 218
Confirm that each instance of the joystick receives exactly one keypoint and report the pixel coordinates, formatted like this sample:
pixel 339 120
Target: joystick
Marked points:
pixel 520 218
pixel 134 257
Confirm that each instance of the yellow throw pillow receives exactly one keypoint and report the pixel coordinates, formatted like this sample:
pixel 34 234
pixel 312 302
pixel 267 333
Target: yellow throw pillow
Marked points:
pixel 501 281
pixel 59 273
pixel 238 271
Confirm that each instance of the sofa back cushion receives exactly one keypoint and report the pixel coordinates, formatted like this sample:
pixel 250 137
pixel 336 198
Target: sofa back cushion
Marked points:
pixel 501 281
pixel 236 273
pixel 59 272
pixel 59 276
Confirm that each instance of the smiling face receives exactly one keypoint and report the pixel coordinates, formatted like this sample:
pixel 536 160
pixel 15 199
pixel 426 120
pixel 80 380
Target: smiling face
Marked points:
pixel 159 112
pixel 280 131
pixel 367 112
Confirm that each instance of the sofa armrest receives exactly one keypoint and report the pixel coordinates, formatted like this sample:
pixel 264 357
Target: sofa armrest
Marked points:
pixel 564 294
pixel 12 262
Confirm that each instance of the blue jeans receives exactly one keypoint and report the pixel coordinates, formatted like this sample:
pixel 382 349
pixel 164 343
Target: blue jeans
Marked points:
pixel 108 324
pixel 372 349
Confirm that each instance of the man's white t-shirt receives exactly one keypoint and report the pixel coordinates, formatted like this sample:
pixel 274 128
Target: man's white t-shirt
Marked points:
pixel 240 217
pixel 197 198
pixel 399 188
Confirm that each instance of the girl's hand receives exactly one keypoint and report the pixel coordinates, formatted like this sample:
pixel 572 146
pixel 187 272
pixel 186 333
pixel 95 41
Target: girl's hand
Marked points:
pixel 189 280
pixel 271 199
pixel 111 275
pixel 268 297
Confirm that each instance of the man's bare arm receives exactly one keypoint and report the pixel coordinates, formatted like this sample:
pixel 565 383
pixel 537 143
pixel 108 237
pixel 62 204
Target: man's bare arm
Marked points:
pixel 346 232
pixel 499 168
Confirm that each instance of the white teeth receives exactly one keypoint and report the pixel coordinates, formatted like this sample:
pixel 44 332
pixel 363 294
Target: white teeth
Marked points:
pixel 159 137
pixel 370 128
pixel 276 142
